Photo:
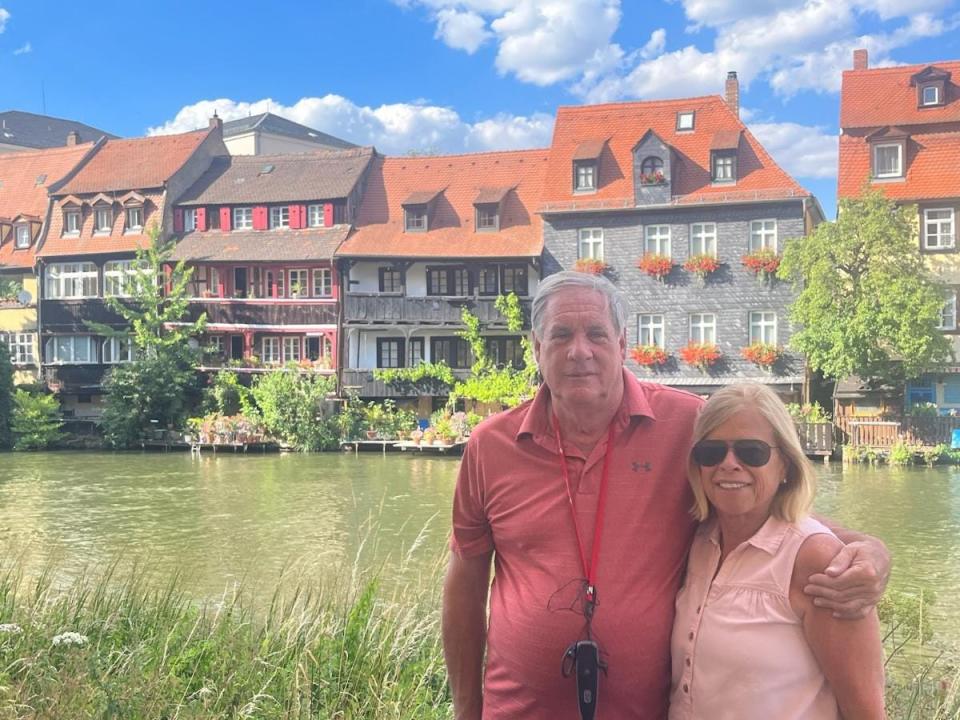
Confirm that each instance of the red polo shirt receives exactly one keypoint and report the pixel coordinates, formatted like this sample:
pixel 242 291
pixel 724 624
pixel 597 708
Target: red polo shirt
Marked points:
pixel 510 498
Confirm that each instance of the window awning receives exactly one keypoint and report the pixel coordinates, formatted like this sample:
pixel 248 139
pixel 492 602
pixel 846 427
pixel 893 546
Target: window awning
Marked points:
pixel 726 140
pixel 492 196
pixel 589 149
pixel 421 197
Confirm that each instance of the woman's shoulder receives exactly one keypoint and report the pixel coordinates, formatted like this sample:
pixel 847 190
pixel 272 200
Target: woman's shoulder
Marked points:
pixel 816 551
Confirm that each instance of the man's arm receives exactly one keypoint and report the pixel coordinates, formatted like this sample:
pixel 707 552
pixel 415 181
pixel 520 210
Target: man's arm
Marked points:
pixel 465 591
pixel 854 581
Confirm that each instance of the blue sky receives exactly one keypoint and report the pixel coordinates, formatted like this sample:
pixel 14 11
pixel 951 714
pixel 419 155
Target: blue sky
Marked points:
pixel 458 75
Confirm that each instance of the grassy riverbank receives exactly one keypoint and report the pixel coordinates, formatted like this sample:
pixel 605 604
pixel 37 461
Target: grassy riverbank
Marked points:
pixel 113 645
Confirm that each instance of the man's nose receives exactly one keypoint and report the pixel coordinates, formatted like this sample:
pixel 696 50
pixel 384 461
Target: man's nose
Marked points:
pixel 580 347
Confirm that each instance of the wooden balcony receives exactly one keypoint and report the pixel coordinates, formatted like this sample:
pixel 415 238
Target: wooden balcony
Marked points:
pixel 72 316
pixel 238 311
pixel 75 378
pixel 391 309
pixel 366 385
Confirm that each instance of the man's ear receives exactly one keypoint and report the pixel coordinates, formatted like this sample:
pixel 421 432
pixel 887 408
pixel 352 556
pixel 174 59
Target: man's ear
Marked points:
pixel 623 344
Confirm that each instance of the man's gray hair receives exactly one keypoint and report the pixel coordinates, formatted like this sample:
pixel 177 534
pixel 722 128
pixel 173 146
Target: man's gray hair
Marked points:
pixel 552 284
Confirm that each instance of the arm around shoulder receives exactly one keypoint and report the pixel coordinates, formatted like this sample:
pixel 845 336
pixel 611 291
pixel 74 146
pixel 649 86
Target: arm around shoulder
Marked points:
pixel 464 621
pixel 849 651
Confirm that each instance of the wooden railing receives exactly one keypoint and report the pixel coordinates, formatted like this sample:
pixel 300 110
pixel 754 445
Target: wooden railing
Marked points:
pixel 816 438
pixel 885 431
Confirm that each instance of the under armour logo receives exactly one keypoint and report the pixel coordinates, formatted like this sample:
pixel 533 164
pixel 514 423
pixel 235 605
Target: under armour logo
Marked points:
pixel 646 467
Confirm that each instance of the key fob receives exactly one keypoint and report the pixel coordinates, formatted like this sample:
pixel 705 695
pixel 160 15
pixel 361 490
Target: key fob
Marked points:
pixel 588 677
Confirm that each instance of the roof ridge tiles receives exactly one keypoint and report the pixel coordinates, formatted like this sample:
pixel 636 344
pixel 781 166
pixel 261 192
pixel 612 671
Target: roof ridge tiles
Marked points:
pixel 639 103
pixel 890 69
pixel 479 153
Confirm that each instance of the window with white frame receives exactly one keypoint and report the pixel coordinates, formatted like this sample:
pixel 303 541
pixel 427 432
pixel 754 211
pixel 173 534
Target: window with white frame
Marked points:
pixel 102 219
pixel 291 349
pixel 118 350
pixel 703 239
pixel 930 95
pixel 703 328
pixel 415 218
pixel 585 176
pixel 888 160
pixel 763 235
pixel 488 216
pixel 650 330
pixel 22 240
pixel 656 240
pixel 322 282
pixel 70 280
pixel 71 222
pixel 215 346
pixel 279 217
pixel 242 218
pixel 685 120
pixel 119 277
pixel 134 219
pixel 270 350
pixel 763 327
pixel 20 346
pixel 591 243
pixel 189 219
pixel 299 284
pixel 948 315
pixel 724 164
pixel 938 228
pixel 70 350
pixel 315 216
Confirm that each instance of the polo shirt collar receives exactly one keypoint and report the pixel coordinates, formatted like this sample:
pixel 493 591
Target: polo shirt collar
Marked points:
pixel 537 421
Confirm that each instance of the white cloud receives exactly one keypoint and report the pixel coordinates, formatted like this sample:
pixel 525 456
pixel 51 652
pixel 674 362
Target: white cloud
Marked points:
pixel 4 17
pixel 801 150
pixel 23 49
pixel 396 128
pixel 462 30
pixel 655 45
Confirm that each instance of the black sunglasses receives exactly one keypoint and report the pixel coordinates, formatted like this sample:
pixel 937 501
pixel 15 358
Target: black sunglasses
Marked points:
pixel 754 453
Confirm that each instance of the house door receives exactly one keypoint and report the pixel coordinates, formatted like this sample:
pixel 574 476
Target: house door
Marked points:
pixel 240 282
pixel 236 347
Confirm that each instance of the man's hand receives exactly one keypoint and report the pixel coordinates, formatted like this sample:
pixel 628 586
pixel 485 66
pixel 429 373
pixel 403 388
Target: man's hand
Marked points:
pixel 854 581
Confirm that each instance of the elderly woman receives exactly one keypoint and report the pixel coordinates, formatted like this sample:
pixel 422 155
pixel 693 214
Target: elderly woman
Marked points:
pixel 747 643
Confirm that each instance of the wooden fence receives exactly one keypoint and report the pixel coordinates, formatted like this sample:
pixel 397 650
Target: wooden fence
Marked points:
pixel 816 438
pixel 883 432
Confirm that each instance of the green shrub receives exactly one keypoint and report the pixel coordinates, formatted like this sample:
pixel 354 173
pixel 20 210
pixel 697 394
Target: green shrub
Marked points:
pixel 902 453
pixel 36 420
pixel 291 405
pixel 932 456
pixel 6 396
pixel 808 413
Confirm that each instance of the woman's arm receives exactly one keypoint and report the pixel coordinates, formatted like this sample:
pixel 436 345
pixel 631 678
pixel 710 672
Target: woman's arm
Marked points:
pixel 849 651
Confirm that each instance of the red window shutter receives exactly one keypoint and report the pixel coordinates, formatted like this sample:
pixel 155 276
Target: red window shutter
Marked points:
pixel 328 214
pixel 178 220
pixel 260 218
pixel 304 220
pixel 225 219
pixel 294 217
pixel 202 219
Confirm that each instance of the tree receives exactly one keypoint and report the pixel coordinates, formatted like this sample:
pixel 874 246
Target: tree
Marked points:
pixel 868 305
pixel 291 406
pixel 153 390
pixel 36 420
pixel 6 396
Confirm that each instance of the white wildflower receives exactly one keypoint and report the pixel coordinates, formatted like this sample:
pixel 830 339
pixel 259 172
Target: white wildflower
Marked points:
pixel 70 638
pixel 10 628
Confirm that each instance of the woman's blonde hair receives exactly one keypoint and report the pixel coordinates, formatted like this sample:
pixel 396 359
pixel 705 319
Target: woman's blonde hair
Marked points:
pixel 794 498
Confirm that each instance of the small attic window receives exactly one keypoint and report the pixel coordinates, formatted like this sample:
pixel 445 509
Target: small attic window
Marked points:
pixel 415 218
pixel 685 120
pixel 931 95
pixel 41 179
pixel 267 169
pixel 585 175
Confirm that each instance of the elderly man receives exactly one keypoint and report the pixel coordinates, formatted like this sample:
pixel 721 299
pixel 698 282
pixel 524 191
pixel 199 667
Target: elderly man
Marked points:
pixel 580 498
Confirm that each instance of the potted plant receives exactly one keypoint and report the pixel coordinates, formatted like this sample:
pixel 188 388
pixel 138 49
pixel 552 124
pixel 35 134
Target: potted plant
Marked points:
pixel 764 263
pixel 429 435
pixel 416 436
pixel 652 178
pixel 765 355
pixel 701 265
pixel 593 266
pixel 649 355
pixel 656 265
pixel 702 356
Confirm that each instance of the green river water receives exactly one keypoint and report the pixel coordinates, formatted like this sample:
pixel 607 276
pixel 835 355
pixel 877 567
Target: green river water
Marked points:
pixel 224 520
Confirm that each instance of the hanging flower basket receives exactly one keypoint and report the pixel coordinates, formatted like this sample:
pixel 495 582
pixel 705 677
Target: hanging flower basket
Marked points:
pixel 590 265
pixel 701 265
pixel 702 356
pixel 763 262
pixel 649 355
pixel 655 265
pixel 652 178
pixel 763 354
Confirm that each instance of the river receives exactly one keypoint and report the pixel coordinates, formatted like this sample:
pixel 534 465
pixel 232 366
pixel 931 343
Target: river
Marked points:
pixel 223 520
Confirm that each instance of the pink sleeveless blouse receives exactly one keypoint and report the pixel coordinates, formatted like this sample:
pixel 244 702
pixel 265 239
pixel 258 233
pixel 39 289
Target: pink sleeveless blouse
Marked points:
pixel 738 649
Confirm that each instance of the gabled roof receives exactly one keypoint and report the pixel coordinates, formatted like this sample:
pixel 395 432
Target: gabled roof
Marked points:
pixel 135 164
pixel 888 96
pixel 268 122
pixel 626 123
pixel 242 179
pixel 380 222
pixel 260 246
pixel 42 131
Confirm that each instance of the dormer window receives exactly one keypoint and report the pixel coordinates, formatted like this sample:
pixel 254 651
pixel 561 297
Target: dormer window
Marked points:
pixel 888 160
pixel 102 219
pixel 724 167
pixel 21 237
pixel 651 171
pixel 71 222
pixel 931 84
pixel 685 120
pixel 189 219
pixel 585 176
pixel 134 219
pixel 488 218
pixel 415 218
pixel 930 95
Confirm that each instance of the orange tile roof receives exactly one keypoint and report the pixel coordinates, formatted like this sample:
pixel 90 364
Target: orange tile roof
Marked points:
pixel 932 167
pixel 884 96
pixel 625 124
pixel 22 194
pixel 134 164
pixel 379 227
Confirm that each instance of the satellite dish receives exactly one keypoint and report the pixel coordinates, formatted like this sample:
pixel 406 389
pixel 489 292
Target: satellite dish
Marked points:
pixel 24 297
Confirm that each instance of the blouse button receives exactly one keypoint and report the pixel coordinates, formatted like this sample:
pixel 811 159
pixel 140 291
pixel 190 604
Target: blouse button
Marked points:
pixel 698 609
pixel 688 662
pixel 686 688
pixel 690 636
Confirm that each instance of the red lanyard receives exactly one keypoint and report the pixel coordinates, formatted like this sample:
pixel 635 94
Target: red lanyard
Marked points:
pixel 589 571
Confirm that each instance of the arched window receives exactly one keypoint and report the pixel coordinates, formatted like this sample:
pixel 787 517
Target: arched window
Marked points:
pixel 651 165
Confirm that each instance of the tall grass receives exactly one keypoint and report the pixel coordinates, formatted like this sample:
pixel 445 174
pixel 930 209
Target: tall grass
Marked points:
pixel 337 651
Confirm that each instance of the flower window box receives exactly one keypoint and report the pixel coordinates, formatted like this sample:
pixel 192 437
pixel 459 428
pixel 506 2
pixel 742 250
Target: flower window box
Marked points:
pixel 655 265
pixel 763 262
pixel 764 355
pixel 702 356
pixel 591 266
pixel 649 355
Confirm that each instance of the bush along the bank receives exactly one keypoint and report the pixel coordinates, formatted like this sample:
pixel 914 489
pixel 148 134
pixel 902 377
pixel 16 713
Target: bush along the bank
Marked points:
pixel 36 420
pixel 293 407
pixel 902 454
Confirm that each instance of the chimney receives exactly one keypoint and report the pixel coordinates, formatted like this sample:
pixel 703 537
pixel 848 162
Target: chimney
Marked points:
pixel 73 137
pixel 732 94
pixel 860 61
pixel 215 121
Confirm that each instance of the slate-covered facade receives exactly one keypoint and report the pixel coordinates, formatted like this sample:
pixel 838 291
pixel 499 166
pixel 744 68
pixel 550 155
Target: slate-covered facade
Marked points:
pixel 676 179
